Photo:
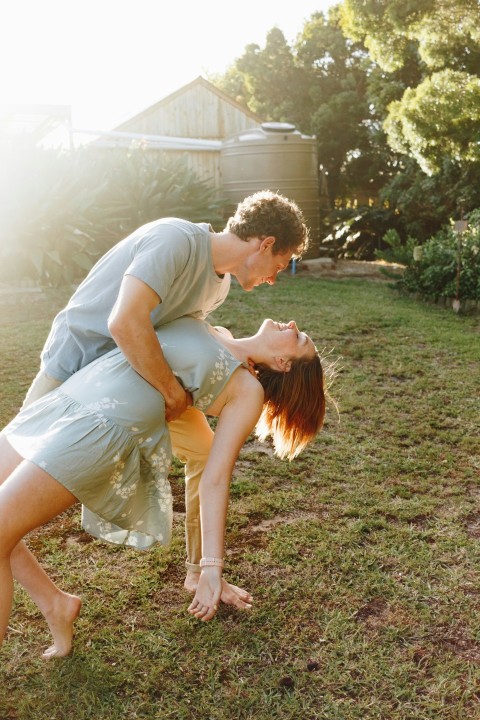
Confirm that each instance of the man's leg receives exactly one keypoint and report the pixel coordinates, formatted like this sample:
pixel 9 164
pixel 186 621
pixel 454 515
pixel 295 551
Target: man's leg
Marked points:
pixel 192 440
pixel 41 385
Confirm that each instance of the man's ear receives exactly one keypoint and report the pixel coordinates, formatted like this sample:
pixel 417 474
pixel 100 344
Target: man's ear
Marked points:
pixel 267 242
pixel 282 365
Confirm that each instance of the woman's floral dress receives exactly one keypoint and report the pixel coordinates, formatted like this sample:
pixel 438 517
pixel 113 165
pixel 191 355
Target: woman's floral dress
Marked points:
pixel 102 434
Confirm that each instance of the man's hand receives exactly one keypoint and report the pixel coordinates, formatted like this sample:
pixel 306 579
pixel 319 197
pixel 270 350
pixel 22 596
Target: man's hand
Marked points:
pixel 177 402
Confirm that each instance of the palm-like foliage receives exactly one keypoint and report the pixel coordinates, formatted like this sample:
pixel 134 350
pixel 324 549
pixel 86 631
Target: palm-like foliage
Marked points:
pixel 61 211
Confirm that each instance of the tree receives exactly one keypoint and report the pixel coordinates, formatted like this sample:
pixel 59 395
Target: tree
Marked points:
pixel 319 85
pixel 337 84
pixel 269 81
pixel 390 89
pixel 446 31
pixel 440 117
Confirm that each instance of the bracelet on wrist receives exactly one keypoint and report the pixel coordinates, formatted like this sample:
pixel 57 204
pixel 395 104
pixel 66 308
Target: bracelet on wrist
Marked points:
pixel 211 562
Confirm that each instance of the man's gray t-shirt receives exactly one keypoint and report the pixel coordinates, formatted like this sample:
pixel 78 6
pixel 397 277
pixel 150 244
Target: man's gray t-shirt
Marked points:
pixel 171 255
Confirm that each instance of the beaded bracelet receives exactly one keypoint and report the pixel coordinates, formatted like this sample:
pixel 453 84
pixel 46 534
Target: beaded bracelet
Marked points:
pixel 211 562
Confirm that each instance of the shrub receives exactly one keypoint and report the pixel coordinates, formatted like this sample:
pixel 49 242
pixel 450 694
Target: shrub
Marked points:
pixel 62 210
pixel 358 233
pixel 44 227
pixel 137 186
pixel 449 264
pixel 396 251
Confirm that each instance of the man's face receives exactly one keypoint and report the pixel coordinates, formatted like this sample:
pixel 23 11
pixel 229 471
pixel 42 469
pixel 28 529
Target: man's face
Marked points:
pixel 262 265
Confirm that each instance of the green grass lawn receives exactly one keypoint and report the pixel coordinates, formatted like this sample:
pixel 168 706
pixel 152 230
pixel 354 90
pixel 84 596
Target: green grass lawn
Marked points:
pixel 363 554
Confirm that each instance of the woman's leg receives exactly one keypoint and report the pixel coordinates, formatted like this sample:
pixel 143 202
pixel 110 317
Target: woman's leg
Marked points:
pixel 60 609
pixel 40 498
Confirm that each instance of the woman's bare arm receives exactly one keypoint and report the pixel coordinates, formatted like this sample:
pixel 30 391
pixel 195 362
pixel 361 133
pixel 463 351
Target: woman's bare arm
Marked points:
pixel 237 419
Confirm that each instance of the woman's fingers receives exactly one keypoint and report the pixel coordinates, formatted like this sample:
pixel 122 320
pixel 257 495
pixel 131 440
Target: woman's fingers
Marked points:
pixel 207 596
pixel 202 612
pixel 208 614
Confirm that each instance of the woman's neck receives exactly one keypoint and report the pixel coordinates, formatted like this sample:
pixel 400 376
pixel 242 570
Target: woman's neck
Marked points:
pixel 244 349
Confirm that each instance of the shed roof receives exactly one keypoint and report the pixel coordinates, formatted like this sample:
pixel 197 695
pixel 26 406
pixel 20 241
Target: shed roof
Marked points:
pixel 184 89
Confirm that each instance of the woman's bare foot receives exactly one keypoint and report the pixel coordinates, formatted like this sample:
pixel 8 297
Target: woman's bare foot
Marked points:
pixel 238 597
pixel 231 594
pixel 60 619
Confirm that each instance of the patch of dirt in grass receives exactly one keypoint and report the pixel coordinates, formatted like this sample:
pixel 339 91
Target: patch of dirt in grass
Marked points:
pixel 82 538
pixel 249 456
pixel 241 466
pixel 419 521
pixel 472 523
pixel 422 657
pixel 256 447
pixel 178 495
pixel 173 596
pixel 270 523
pixel 255 536
pixel 377 613
pixel 256 541
pixel 65 526
pixel 373 613
pixel 460 643
pixel 474 490
pixel 326 267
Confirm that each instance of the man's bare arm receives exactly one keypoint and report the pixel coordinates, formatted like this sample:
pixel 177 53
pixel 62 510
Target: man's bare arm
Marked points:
pixel 131 327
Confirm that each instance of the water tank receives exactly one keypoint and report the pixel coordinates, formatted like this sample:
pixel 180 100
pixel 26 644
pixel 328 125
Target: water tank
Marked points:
pixel 274 157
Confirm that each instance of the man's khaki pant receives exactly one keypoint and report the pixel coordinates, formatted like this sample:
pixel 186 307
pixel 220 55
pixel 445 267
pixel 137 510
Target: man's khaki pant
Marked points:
pixel 191 438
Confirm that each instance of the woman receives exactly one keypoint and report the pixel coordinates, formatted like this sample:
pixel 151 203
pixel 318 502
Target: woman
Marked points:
pixel 101 439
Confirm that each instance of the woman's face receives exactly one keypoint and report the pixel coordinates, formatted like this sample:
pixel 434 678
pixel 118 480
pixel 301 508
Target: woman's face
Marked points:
pixel 285 340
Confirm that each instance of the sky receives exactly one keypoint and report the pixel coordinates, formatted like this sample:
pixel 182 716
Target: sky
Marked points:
pixel 110 59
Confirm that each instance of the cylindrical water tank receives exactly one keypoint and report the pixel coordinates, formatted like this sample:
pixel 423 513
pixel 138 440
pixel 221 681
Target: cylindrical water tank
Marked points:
pixel 274 157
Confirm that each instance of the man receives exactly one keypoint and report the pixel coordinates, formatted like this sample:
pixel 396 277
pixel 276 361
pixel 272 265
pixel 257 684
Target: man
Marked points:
pixel 162 271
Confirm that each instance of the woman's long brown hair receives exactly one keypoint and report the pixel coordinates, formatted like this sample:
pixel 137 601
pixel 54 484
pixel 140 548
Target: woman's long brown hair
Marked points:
pixel 294 406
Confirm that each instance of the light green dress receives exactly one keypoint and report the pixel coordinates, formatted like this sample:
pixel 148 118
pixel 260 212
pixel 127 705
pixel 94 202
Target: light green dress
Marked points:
pixel 102 434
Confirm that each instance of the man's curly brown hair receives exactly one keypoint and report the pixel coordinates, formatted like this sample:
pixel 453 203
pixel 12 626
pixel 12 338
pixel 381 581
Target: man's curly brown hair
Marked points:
pixel 266 213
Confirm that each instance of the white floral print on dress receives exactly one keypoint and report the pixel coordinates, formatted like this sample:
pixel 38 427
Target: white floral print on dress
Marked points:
pixel 203 403
pixel 121 489
pixel 221 367
pixel 97 368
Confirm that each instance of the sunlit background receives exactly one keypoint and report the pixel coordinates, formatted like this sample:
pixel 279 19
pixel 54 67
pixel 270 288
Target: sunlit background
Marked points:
pixel 108 59
pixel 73 72
pixel 116 113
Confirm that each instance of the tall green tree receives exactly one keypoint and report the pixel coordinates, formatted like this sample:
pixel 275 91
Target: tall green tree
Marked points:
pixel 390 89
pixel 439 118
pixel 336 76
pixel 319 84
pixel 269 81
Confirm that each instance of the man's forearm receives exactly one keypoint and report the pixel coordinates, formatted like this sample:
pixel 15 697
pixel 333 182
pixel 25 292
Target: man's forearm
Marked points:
pixel 144 353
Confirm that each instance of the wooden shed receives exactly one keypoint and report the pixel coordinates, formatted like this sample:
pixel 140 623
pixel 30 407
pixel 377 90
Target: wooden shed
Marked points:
pixel 229 146
pixel 191 122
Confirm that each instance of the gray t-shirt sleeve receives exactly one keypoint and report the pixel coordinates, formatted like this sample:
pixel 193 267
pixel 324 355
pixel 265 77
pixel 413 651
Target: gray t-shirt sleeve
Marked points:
pixel 159 258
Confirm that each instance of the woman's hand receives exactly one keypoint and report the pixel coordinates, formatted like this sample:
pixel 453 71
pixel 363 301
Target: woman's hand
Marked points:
pixel 207 596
